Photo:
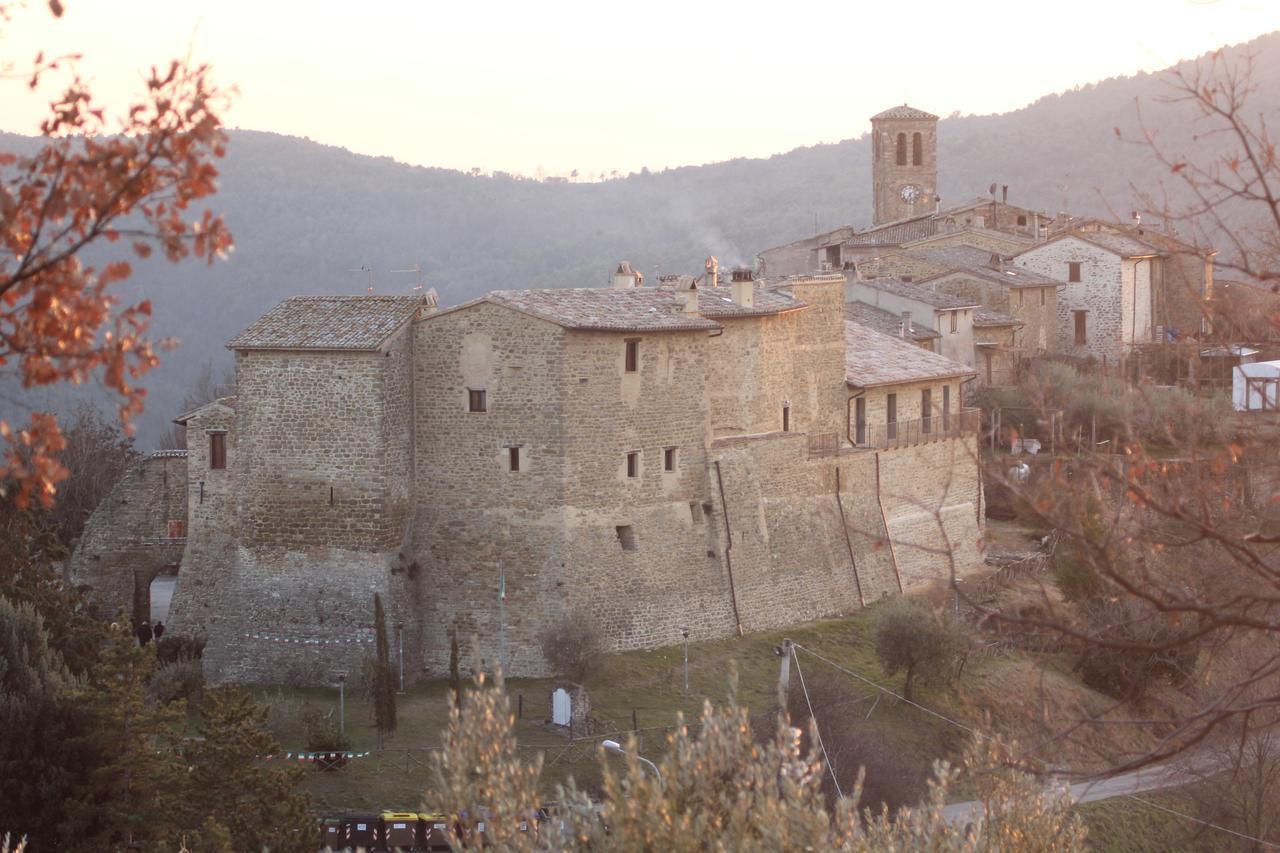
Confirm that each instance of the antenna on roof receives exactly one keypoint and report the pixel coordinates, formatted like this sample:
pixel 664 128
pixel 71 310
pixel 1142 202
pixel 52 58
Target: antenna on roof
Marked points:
pixel 417 270
pixel 365 268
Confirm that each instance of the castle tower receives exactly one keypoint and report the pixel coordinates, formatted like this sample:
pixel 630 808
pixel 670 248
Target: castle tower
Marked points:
pixel 904 163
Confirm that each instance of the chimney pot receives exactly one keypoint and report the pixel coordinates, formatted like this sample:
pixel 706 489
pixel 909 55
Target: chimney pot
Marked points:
pixel 906 324
pixel 626 277
pixel 744 288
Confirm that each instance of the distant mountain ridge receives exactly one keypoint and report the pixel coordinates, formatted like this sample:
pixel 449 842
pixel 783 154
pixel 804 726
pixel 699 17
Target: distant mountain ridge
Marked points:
pixel 306 217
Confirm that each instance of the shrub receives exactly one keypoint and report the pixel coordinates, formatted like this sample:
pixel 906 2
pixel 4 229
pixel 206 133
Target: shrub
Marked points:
pixel 574 646
pixel 171 649
pixel 182 679
pixel 923 644
pixel 323 733
pixel 1154 651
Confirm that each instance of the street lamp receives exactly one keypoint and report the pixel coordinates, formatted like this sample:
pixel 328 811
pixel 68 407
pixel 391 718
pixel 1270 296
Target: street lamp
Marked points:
pixel 685 633
pixel 615 747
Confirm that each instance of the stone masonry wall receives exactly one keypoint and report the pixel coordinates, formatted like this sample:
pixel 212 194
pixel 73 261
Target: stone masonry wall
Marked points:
pixel 476 520
pixel 932 498
pixel 212 525
pixel 313 456
pixel 126 541
pixel 1099 293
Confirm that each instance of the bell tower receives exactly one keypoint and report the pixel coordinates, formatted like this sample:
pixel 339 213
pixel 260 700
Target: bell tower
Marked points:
pixel 904 163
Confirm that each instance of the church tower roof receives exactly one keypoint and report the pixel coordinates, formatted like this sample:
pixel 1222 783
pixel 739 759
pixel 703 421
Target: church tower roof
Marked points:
pixel 905 111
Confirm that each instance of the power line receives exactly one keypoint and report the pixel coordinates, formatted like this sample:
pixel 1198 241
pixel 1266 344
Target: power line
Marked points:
pixel 816 730
pixel 986 736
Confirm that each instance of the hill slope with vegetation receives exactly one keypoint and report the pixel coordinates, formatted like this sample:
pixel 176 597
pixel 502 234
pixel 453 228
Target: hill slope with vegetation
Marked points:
pixel 307 217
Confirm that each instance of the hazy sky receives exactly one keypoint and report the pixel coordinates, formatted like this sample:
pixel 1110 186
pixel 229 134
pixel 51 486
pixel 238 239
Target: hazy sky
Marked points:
pixel 611 86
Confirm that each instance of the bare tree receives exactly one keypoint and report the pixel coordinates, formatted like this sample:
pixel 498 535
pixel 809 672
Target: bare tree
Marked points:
pixel 96 455
pixel 1178 528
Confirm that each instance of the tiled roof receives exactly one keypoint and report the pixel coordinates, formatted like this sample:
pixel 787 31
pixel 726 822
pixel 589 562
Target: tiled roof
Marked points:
pixel 1010 276
pixel 718 302
pixel 953 257
pixel 601 308
pixel 226 402
pixel 895 233
pixel 907 290
pixel 904 111
pixel 983 316
pixel 886 321
pixel 1011 242
pixel 1121 244
pixel 872 358
pixel 328 323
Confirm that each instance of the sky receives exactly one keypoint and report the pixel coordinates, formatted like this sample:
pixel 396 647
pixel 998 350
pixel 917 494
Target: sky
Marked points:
pixel 550 87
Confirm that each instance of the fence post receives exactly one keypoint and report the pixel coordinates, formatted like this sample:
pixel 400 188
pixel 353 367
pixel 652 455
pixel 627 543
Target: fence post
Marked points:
pixel 519 706
pixel 635 725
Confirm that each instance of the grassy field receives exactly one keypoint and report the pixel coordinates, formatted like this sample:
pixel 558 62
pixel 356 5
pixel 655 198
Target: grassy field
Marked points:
pixel 1125 825
pixel 644 686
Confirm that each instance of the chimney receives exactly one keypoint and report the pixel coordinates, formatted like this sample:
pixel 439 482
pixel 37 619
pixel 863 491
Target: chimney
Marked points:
pixel 997 261
pixel 713 271
pixel 1136 218
pixel 626 278
pixel 1004 193
pixel 906 326
pixel 744 291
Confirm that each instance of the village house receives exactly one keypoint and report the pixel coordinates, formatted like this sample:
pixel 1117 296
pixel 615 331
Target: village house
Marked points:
pixel 950 316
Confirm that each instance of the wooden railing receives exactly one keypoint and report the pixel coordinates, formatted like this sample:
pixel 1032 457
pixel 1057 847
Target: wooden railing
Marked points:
pixel 824 444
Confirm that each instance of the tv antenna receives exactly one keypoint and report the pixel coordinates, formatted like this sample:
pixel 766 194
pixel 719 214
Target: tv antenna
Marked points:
pixel 365 268
pixel 416 269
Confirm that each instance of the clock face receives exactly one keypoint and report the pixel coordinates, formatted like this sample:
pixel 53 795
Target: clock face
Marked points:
pixel 910 193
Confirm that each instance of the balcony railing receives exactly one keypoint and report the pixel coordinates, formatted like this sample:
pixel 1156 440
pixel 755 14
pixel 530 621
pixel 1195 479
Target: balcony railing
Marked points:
pixel 882 436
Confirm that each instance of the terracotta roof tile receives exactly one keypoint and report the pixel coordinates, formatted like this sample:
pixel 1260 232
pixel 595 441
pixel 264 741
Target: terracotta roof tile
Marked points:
pixel 328 323
pixel 886 322
pixel 872 359
pixel 904 111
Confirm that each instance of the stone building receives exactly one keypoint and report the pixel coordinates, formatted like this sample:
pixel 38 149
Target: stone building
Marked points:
pixel 950 316
pixel 904 163
pixel 647 457
pixel 1106 306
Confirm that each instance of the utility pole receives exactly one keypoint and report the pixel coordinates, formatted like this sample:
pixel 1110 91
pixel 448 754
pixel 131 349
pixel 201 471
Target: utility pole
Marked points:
pixel 342 703
pixel 785 651
pixel 685 633
pixel 400 651
pixel 502 620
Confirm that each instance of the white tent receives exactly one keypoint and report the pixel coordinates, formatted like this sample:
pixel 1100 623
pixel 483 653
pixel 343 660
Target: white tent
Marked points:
pixel 1256 387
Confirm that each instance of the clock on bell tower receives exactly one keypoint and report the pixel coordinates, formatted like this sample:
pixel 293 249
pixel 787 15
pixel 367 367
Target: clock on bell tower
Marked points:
pixel 904 163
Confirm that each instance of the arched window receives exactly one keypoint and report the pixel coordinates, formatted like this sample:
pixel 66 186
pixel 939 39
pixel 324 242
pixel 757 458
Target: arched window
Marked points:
pixel 902 149
pixel 917 149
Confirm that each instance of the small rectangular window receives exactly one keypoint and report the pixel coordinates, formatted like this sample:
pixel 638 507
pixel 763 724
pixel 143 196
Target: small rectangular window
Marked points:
pixel 946 408
pixel 1081 333
pixel 626 536
pixel 1043 291
pixel 633 355
pixel 954 320
pixel 908 278
pixel 926 410
pixel 177 528
pixel 786 419
pixel 1021 298
pixel 860 420
pixel 1073 270
pixel 669 459
pixel 217 450
pixel 633 464
pixel 513 458
pixel 1022 219
pixel 476 401
pixel 891 415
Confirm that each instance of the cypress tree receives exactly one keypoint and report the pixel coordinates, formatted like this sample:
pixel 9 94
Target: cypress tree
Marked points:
pixel 384 688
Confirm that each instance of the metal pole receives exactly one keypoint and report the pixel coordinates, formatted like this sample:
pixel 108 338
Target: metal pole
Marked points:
pixel 400 651
pixel 784 673
pixel 647 763
pixel 342 704
pixel 685 632
pixel 502 620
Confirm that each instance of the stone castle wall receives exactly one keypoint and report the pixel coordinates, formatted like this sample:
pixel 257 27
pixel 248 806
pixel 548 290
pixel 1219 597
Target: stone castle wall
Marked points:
pixel 127 540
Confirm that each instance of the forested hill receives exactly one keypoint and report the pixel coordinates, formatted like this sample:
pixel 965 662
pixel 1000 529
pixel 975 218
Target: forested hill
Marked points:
pixel 306 215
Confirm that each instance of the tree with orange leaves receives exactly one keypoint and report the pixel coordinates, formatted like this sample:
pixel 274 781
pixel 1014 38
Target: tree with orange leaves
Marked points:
pixel 97 181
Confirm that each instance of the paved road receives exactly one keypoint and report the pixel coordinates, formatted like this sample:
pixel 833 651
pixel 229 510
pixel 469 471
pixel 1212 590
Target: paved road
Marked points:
pixel 1147 779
